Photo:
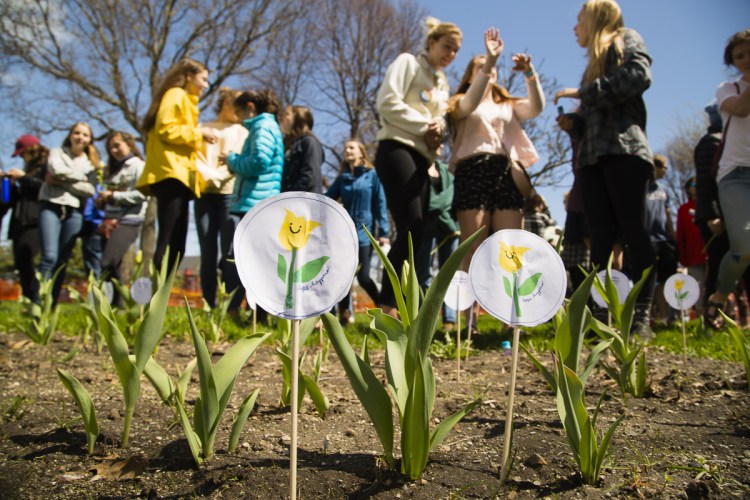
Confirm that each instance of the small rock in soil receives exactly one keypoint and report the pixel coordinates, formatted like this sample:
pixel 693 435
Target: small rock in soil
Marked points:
pixel 350 432
pixel 285 440
pixel 535 460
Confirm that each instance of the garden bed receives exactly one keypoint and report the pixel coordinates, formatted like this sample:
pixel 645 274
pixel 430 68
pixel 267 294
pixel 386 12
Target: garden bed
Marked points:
pixel 689 438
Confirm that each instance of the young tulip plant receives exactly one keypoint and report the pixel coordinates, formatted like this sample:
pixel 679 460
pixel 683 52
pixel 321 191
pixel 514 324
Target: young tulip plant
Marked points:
pixel 43 315
pixel 305 383
pixel 216 383
pixel 217 314
pixel 571 326
pixel 409 371
pixel 85 406
pixel 129 368
pixel 631 372
pixel 86 303
pixel 741 343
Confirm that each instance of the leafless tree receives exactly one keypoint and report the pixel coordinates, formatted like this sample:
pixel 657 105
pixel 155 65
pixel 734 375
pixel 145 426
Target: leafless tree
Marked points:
pixel 679 151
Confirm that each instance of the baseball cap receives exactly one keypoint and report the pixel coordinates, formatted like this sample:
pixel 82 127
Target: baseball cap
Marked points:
pixel 24 142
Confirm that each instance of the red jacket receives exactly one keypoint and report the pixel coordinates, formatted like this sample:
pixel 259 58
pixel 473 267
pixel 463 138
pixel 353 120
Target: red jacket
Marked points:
pixel 689 242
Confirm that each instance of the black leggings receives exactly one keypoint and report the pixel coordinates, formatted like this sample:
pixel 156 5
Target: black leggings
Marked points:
pixel 26 247
pixel 614 201
pixel 403 173
pixel 363 278
pixel 172 211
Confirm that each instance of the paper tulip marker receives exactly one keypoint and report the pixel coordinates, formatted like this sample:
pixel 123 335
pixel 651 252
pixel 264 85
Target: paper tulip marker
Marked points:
pixel 296 255
pixel 682 292
pixel 459 297
pixel 518 278
pixel 622 284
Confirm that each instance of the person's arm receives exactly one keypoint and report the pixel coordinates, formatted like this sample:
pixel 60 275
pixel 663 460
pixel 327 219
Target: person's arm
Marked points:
pixel 390 101
pixel 533 105
pixel 132 196
pixel 631 78
pixel 170 125
pixel 81 189
pixel 466 105
pixel 258 156
pixel 735 104
pixel 334 191
pixel 61 169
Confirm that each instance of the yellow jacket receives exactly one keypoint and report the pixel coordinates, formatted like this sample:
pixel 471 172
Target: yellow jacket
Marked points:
pixel 172 143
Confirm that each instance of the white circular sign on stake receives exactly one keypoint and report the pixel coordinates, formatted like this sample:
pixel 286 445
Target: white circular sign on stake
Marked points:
pixel 140 290
pixel 296 254
pixel 622 285
pixel 459 295
pixel 518 278
pixel 681 291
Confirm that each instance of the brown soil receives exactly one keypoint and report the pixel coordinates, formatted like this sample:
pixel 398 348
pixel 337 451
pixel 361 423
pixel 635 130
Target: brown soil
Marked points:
pixel 689 439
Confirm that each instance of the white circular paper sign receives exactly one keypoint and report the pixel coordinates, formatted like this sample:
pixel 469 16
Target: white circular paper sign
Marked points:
pixel 681 291
pixel 459 295
pixel 518 277
pixel 296 254
pixel 622 285
pixel 140 290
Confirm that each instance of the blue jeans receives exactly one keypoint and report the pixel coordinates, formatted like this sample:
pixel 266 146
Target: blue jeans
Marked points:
pixel 211 214
pixel 734 191
pixel 423 263
pixel 92 248
pixel 59 226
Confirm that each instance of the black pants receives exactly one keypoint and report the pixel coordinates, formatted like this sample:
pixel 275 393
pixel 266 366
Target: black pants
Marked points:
pixel 26 247
pixel 363 278
pixel 115 248
pixel 172 211
pixel 403 173
pixel 614 201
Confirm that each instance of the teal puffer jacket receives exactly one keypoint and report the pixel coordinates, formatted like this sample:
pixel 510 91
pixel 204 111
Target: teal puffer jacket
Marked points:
pixel 260 165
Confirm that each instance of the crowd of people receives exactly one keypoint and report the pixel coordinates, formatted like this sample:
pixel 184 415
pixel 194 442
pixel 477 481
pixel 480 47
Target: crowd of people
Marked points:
pixel 256 148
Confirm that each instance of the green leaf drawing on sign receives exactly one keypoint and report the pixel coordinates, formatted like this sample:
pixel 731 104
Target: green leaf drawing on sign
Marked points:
pixel 528 286
pixel 506 282
pixel 310 270
pixel 281 268
pixel 683 295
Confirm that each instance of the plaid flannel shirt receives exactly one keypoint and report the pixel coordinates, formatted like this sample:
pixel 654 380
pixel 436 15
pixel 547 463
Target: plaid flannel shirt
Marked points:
pixel 612 116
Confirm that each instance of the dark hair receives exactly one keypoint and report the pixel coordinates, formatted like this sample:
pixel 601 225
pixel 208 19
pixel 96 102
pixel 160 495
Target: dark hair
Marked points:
pixel 265 101
pixel 128 139
pixel 174 77
pixel 35 160
pixel 736 39
pixel 302 124
pixel 689 183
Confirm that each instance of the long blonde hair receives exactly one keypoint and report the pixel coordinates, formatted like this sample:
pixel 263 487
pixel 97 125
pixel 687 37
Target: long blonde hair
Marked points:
pixel 90 150
pixel 499 93
pixel 603 20
pixel 345 166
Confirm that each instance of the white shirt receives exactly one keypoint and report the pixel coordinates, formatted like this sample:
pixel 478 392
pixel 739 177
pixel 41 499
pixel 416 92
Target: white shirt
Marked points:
pixel 737 140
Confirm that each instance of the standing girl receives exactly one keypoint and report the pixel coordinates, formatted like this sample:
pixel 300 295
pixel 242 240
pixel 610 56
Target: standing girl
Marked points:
pixel 70 180
pixel 614 163
pixel 124 206
pixel 24 223
pixel 362 195
pixel 258 169
pixel 487 140
pixel 733 176
pixel 304 154
pixel 173 138
pixel 412 101
pixel 212 208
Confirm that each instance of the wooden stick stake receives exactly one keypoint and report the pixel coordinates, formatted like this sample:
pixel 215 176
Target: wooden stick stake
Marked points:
pixel 505 466
pixel 255 319
pixel 684 335
pixel 458 338
pixel 295 410
pixel 468 343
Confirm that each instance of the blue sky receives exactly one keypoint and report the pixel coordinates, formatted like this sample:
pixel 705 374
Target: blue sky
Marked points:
pixel 686 39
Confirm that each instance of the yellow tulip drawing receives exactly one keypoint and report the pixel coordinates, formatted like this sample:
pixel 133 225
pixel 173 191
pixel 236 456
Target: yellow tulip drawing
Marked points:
pixel 294 234
pixel 678 284
pixel 510 261
pixel 295 231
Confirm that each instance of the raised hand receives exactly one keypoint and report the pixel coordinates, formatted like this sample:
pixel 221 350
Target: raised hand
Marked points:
pixel 493 43
pixel 522 62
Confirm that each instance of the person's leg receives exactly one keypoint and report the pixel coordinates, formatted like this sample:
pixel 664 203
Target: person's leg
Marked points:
pixel 469 222
pixel 115 249
pixel 229 270
pixel 444 252
pixel 25 248
pixel 403 174
pixel 92 247
pixel 50 225
pixel 173 199
pixel 207 225
pixel 70 228
pixel 599 213
pixel 734 191
pixel 424 258
pixel 363 275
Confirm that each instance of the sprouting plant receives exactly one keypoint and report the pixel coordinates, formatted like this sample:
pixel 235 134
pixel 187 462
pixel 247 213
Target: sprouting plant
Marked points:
pixel 408 365
pixel 571 324
pixel 305 383
pixel 44 315
pixel 146 339
pixel 631 372
pixel 741 343
pixel 588 450
pixel 216 384
pixel 216 314
pixel 14 409
pixel 86 303
pixel 85 406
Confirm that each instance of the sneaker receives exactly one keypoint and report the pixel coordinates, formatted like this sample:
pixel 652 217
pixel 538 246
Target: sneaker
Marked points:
pixel 642 322
pixel 644 331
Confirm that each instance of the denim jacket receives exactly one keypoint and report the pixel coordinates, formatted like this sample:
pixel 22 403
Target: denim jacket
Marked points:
pixel 363 197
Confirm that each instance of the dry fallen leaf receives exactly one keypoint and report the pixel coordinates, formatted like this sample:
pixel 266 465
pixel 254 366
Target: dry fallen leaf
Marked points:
pixel 129 468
